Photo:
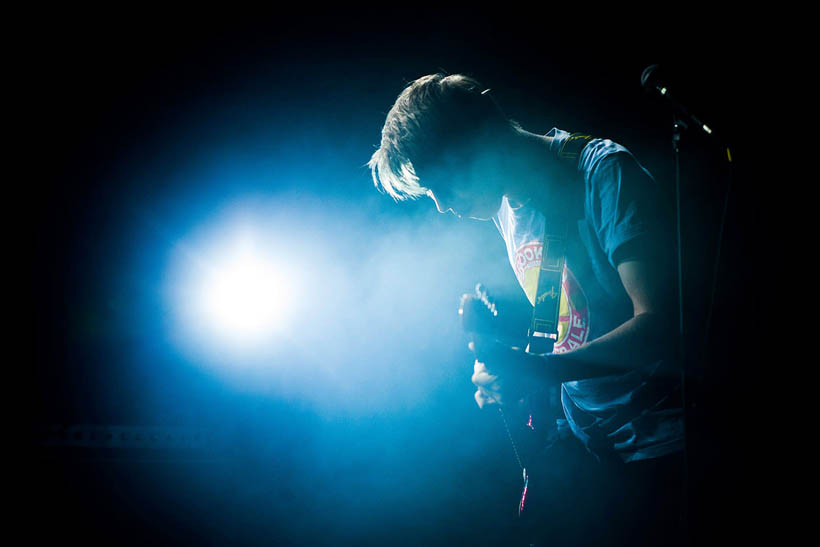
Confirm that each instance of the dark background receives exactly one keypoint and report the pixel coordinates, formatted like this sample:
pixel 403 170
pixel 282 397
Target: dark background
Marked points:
pixel 119 114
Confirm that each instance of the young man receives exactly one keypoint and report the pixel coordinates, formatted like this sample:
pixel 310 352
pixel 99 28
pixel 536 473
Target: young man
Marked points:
pixel 614 358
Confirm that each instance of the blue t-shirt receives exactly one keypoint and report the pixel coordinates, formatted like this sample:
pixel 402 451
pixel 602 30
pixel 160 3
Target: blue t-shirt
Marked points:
pixel 623 217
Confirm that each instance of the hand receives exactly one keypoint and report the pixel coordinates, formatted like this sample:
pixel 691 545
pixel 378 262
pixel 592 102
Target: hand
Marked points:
pixel 489 388
pixel 503 375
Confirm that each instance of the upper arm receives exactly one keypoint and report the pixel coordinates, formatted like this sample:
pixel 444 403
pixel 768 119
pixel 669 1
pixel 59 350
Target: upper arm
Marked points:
pixel 648 286
pixel 651 291
pixel 625 209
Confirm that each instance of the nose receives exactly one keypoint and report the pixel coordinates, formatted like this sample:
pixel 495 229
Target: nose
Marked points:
pixel 441 205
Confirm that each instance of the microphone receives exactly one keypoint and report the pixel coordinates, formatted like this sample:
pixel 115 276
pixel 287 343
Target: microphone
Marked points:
pixel 652 79
pixel 649 79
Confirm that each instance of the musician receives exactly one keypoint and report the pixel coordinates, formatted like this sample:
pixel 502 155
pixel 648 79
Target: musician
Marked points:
pixel 446 138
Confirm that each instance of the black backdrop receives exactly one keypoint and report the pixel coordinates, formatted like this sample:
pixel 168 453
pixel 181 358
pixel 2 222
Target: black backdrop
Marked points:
pixel 106 97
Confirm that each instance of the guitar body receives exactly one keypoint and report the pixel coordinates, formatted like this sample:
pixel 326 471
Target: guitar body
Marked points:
pixel 532 421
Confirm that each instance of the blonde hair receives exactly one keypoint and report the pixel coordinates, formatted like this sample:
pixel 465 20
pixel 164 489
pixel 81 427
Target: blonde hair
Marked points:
pixel 429 112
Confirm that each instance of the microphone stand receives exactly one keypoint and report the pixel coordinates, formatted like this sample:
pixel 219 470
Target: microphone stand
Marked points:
pixel 679 125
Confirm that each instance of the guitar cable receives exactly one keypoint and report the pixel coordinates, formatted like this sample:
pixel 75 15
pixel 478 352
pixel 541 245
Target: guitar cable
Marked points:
pixel 524 474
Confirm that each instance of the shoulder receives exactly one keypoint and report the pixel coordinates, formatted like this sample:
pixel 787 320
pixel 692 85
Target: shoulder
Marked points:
pixel 598 150
pixel 611 172
pixel 623 203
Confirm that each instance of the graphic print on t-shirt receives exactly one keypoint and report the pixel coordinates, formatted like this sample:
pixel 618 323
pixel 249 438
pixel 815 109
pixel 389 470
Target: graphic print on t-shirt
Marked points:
pixel 573 316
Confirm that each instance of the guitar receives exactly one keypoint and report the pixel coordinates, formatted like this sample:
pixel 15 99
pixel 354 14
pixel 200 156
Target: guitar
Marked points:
pixel 531 422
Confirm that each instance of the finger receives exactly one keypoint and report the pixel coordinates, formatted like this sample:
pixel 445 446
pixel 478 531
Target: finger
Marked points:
pixel 481 377
pixel 479 368
pixel 482 399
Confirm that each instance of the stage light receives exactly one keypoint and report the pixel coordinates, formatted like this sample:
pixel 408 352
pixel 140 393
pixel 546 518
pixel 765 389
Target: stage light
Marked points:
pixel 244 297
pixel 233 292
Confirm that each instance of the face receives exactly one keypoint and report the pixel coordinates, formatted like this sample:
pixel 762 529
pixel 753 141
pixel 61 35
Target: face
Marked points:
pixel 468 185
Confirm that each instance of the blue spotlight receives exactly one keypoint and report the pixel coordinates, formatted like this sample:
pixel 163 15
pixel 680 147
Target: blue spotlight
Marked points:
pixel 243 296
pixel 233 291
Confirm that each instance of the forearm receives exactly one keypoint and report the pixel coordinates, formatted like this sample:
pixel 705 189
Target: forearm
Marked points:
pixel 642 339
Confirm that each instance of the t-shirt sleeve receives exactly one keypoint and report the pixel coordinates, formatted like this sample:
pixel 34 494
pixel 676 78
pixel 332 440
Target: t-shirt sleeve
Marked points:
pixel 623 205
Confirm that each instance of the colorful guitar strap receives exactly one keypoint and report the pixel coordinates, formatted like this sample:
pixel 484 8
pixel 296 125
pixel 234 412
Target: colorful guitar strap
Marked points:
pixel 544 326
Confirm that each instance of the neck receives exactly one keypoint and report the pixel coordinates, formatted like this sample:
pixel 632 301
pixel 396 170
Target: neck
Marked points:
pixel 536 175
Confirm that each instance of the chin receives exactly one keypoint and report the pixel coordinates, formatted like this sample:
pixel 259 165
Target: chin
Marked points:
pixel 481 216
pixel 485 213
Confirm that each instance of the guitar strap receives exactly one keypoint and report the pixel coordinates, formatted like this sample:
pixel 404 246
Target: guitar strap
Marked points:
pixel 571 148
pixel 543 332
